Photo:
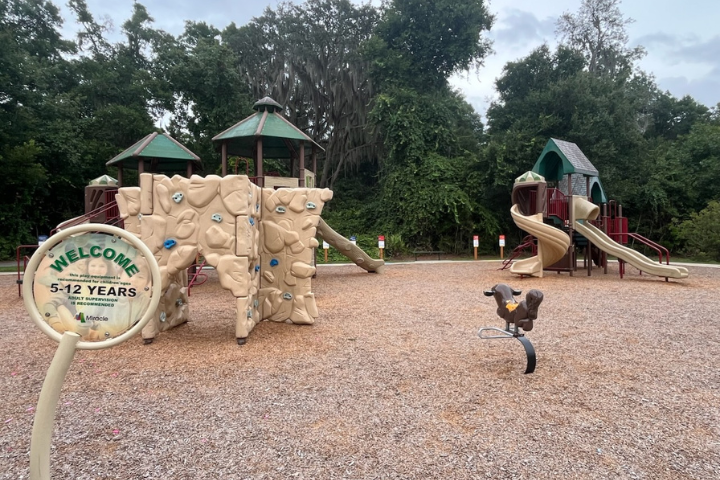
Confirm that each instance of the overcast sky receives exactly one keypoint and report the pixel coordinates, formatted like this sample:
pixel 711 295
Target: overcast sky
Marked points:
pixel 682 38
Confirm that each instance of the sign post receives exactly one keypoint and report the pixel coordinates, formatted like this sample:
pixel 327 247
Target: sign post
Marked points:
pixel 325 248
pixel 353 239
pixel 381 245
pixel 476 244
pixel 502 246
pixel 88 287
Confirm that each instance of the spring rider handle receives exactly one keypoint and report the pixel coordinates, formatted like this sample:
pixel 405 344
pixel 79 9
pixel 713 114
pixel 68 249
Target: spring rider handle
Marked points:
pixel 517 315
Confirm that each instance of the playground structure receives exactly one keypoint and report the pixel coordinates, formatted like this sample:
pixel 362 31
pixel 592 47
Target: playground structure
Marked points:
pixel 517 315
pixel 567 217
pixel 261 242
pixel 258 231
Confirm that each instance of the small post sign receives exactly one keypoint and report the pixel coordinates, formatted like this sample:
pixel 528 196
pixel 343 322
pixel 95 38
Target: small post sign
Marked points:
pixel 476 244
pixel 353 240
pixel 502 246
pixel 325 248
pixel 381 245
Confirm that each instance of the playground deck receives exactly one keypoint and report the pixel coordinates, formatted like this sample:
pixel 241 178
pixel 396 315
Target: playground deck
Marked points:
pixel 391 382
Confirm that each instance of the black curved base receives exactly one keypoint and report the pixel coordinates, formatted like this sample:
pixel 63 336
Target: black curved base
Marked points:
pixel 530 352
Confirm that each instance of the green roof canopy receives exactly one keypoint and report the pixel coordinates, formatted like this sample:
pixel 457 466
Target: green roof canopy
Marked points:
pixel 280 137
pixel 560 158
pixel 166 154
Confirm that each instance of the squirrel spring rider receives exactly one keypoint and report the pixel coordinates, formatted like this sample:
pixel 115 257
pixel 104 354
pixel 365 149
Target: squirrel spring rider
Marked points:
pixel 517 315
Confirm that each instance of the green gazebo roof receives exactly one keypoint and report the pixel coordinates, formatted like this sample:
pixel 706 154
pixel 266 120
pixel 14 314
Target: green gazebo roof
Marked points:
pixel 278 134
pixel 104 180
pixel 529 177
pixel 170 154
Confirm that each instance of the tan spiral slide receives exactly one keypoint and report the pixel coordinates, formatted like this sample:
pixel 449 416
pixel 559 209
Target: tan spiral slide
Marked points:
pixel 553 244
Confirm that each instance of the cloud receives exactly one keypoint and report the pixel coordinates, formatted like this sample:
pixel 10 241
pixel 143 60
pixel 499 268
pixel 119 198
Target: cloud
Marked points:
pixel 518 28
pixel 705 90
pixel 678 49
pixel 685 64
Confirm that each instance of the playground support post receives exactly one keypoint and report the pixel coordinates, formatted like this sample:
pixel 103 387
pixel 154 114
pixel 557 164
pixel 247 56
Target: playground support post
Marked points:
pixel 47 405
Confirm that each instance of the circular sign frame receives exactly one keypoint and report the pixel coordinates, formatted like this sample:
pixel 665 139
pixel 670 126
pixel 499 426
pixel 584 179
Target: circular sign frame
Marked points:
pixel 29 279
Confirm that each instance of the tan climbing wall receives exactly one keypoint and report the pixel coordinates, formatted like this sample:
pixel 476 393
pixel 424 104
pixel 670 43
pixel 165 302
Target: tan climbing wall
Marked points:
pixel 262 255
pixel 288 227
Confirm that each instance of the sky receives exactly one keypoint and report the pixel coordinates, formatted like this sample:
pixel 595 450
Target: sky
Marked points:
pixel 682 39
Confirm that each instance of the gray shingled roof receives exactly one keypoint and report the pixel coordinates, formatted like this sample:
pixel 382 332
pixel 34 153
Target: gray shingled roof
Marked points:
pixel 576 157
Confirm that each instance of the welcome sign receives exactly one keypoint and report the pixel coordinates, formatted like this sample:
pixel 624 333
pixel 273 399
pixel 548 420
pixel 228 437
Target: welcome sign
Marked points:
pixel 94 284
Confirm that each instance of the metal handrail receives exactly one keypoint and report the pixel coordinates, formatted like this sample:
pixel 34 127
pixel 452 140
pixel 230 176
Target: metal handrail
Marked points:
pixel 108 207
pixel 527 241
pixel 655 246
pixel 26 259
pixel 198 273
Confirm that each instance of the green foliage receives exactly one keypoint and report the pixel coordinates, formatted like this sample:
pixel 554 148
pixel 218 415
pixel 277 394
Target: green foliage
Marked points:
pixel 702 233
pixel 419 44
pixel 22 181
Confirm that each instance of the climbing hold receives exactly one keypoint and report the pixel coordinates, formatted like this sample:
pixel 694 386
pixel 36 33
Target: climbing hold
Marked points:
pixel 252 221
pixel 216 217
pixel 139 216
pixel 287 296
pixel 169 243
pixel 163 317
pixel 256 303
pixel 177 197
pixel 274 262
pixel 179 302
pixel 257 207
pixel 310 206
pixel 257 268
pixel 249 314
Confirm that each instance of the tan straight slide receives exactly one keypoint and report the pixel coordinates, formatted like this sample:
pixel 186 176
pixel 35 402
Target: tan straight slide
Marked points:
pixel 553 244
pixel 353 252
pixel 636 259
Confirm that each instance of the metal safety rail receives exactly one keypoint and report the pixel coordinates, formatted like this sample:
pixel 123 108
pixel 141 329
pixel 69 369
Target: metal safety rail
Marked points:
pixel 557 204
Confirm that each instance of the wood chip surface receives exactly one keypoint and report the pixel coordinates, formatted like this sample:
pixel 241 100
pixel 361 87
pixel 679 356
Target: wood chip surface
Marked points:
pixel 392 382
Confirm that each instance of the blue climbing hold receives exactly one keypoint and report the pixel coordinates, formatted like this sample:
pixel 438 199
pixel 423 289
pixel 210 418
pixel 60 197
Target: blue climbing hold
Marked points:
pixel 169 243
pixel 257 268
pixel 252 221
pixel 274 262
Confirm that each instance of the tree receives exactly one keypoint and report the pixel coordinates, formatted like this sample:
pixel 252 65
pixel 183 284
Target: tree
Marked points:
pixel 702 232
pixel 307 58
pixel 208 91
pixel 420 44
pixel 598 31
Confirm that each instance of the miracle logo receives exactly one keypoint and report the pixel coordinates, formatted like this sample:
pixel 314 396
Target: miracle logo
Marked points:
pixel 80 317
